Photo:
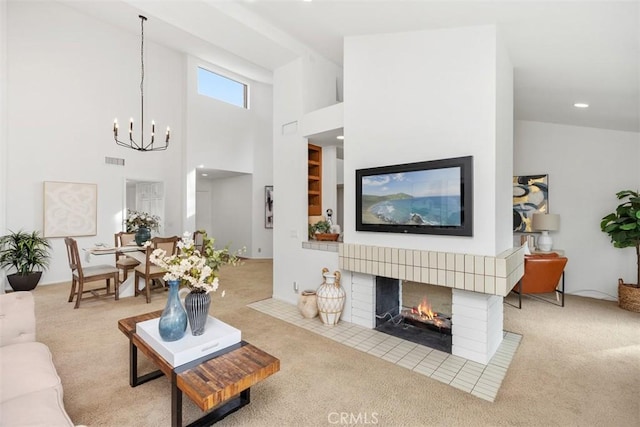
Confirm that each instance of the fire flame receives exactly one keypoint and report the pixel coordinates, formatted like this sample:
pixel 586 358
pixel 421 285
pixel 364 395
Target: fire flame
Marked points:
pixel 424 310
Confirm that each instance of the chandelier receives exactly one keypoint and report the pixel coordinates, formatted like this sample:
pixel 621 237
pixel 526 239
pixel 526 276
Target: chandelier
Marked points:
pixel 142 146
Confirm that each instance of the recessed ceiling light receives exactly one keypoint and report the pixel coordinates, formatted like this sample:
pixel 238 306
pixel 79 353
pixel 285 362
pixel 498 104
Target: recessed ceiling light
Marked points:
pixel 340 137
pixel 200 166
pixel 205 174
pixel 581 105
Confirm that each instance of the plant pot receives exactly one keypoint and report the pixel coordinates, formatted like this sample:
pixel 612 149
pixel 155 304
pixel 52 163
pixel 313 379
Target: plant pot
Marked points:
pixel 24 282
pixel 329 237
pixel 628 296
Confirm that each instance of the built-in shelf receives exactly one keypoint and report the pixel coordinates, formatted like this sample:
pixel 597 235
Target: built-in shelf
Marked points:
pixel 314 179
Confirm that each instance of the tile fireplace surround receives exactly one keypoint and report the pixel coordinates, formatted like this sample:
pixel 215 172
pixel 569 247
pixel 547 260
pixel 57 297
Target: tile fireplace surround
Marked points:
pixel 479 284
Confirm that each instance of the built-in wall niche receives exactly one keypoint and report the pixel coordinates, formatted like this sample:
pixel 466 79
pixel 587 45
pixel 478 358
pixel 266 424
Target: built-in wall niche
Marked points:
pixel 144 196
pixel 325 178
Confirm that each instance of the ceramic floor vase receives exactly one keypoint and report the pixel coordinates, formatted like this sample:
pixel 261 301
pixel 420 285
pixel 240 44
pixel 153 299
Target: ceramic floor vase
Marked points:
pixel 173 320
pixel 197 306
pixel 331 297
pixel 308 304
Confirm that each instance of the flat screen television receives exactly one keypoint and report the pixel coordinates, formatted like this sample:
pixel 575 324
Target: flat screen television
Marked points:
pixel 431 197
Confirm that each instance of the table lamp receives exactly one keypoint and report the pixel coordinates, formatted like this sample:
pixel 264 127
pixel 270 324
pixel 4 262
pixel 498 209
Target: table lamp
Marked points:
pixel 545 223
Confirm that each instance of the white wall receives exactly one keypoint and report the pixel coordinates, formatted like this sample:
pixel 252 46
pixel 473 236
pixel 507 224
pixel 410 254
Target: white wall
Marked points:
pixel 586 168
pixel 504 147
pixel 231 210
pixel 429 95
pixel 225 137
pixel 68 76
pixel 291 99
pixel 3 122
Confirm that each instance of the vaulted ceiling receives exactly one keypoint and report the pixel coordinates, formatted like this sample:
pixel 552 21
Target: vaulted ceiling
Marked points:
pixel 563 52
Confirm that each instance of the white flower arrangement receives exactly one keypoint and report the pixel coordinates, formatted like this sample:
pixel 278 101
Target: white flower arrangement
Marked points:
pixel 199 272
pixel 137 219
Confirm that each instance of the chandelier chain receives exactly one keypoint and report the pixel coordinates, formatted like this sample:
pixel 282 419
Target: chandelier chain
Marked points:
pixel 142 19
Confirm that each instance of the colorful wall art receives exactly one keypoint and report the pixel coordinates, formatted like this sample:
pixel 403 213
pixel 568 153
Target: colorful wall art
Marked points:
pixel 530 195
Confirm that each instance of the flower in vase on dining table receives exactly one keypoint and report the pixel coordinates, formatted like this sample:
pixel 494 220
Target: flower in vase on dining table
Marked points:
pixel 136 219
pixel 198 272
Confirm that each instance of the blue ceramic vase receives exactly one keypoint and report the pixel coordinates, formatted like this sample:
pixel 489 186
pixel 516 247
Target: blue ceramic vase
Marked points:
pixel 173 320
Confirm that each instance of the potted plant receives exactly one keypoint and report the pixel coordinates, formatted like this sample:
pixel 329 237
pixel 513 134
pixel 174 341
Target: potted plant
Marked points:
pixel 321 230
pixel 623 226
pixel 28 254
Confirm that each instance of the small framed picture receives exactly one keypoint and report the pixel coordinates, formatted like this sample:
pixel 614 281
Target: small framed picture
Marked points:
pixel 268 206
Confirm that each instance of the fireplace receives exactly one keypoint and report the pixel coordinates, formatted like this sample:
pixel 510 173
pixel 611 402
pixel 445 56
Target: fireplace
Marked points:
pixel 477 284
pixel 416 312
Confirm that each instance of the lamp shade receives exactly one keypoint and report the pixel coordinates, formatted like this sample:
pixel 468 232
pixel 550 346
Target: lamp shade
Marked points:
pixel 545 222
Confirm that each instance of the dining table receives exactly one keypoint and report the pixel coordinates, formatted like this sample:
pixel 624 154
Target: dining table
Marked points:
pixel 127 287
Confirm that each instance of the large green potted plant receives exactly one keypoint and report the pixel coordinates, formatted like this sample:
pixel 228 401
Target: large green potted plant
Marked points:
pixel 623 226
pixel 28 254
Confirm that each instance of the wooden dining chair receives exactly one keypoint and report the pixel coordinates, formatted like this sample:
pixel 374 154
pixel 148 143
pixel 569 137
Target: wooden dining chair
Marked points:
pixel 150 272
pixel 124 262
pixel 81 275
pixel 198 239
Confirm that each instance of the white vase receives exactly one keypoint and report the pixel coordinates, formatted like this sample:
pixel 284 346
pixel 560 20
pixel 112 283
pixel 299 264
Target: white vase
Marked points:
pixel 331 297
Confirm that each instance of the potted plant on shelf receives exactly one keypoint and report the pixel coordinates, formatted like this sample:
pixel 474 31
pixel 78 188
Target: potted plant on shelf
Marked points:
pixel 623 226
pixel 142 223
pixel 321 230
pixel 28 254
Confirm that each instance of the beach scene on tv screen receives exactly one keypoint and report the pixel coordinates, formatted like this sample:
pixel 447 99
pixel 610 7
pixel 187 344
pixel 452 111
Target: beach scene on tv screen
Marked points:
pixel 429 197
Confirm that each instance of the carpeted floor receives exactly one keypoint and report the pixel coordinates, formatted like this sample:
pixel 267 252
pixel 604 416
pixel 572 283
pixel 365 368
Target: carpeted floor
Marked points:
pixel 575 366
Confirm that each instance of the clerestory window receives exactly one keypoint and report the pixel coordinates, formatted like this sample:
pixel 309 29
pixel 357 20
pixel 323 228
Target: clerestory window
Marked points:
pixel 222 88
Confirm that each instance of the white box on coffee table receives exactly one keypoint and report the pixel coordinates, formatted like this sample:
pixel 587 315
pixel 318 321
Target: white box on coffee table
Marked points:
pixel 217 336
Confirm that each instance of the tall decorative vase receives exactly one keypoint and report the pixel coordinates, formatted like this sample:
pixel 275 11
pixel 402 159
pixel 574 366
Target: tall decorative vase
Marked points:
pixel 142 235
pixel 197 306
pixel 331 297
pixel 173 320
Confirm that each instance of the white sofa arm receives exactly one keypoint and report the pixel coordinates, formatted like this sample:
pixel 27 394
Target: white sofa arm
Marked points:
pixel 17 318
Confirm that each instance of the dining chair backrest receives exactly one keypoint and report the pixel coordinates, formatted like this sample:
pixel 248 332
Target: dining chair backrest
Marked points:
pixel 169 244
pixel 121 239
pixel 150 272
pixel 198 239
pixel 73 256
pixel 124 238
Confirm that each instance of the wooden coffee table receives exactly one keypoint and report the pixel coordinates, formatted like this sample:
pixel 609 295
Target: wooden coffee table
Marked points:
pixel 219 382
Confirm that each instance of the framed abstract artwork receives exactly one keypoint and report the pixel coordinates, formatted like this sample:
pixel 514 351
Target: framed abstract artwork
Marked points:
pixel 70 209
pixel 530 195
pixel 268 206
